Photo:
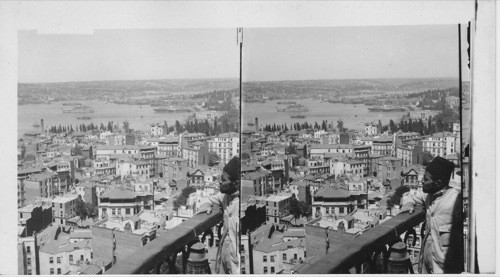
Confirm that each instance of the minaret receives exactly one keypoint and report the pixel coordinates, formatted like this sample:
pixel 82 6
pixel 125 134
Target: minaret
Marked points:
pixel 42 128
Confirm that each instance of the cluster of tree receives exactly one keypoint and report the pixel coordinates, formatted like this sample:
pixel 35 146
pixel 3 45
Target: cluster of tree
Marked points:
pixel 442 122
pixel 224 124
pixel 84 128
pixel 296 126
pixel 299 208
pixel 395 198
pixel 85 210
pixel 216 95
pixel 434 99
pixel 181 200
pixel 219 100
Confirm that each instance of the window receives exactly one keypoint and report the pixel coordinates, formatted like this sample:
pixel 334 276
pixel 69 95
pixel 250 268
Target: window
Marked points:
pixel 81 257
pixel 58 260
pixel 242 248
pixel 272 259
pixel 51 260
pixel 272 269
pixel 284 256
pixel 51 271
pixel 295 256
pixel 58 271
pixel 113 211
pixel 29 271
pixel 70 258
pixel 29 261
pixel 242 259
pixel 265 269
pixel 264 258
pixel 60 205
pixel 28 249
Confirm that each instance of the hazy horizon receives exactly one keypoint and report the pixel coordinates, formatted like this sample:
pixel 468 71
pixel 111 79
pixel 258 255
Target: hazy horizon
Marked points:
pixel 198 79
pixel 128 54
pixel 360 52
pixel 269 54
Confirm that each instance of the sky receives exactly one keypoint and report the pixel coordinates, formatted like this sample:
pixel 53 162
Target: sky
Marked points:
pixel 128 55
pixel 352 52
pixel 269 54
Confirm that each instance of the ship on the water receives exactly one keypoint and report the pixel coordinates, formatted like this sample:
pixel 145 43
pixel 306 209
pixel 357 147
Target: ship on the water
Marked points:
pixel 287 102
pixel 84 117
pixel 386 109
pixel 298 116
pixel 172 109
pixel 72 104
pixel 79 109
pixel 296 108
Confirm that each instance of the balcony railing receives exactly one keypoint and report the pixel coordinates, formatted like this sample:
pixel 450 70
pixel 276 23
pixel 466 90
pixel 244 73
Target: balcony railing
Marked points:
pixel 152 257
pixel 357 251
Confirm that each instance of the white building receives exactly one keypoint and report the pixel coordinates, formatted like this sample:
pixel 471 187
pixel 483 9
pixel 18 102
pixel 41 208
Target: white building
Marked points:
pixel 63 208
pixel 371 129
pixel 226 146
pixel 440 144
pixel 156 130
pixel 63 251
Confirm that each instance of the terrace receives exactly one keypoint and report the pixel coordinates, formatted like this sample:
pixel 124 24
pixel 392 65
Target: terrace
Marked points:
pixel 160 255
pixel 356 253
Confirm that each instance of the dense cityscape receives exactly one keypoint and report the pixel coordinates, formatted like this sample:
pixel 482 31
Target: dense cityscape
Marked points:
pixel 91 194
pixel 309 188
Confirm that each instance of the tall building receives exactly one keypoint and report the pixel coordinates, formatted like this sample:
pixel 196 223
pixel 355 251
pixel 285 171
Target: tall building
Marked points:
pixel 226 146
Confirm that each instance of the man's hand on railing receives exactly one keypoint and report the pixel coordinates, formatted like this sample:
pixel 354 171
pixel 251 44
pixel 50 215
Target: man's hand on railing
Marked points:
pixel 207 207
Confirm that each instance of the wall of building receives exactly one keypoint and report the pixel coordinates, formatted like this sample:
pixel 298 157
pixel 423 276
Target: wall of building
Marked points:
pixel 316 240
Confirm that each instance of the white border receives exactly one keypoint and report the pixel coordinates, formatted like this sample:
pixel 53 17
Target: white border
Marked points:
pixel 85 16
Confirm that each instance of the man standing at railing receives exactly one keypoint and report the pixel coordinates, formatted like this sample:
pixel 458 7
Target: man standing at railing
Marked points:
pixel 228 200
pixel 442 250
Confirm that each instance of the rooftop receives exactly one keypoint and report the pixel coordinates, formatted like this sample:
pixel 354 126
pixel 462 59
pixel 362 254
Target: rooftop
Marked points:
pixel 118 193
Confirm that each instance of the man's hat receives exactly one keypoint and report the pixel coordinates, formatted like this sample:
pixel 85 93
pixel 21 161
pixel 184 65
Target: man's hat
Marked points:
pixel 232 168
pixel 440 169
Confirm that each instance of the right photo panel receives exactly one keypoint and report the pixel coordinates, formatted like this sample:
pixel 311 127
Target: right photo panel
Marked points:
pixel 351 150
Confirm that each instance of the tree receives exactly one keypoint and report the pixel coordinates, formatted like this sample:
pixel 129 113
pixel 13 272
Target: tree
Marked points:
pixel 126 126
pixel 181 200
pixel 395 198
pixel 295 208
pixel 92 210
pixel 340 126
pixel 291 149
pixel 81 208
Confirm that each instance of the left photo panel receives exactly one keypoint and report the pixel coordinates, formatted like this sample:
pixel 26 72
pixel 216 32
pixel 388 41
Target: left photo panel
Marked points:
pixel 128 152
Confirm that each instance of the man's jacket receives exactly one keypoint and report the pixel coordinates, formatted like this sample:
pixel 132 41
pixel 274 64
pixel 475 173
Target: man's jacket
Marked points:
pixel 442 247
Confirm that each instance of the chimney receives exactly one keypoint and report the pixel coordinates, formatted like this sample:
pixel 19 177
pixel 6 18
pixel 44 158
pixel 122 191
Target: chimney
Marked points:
pixel 42 128
pixel 256 124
